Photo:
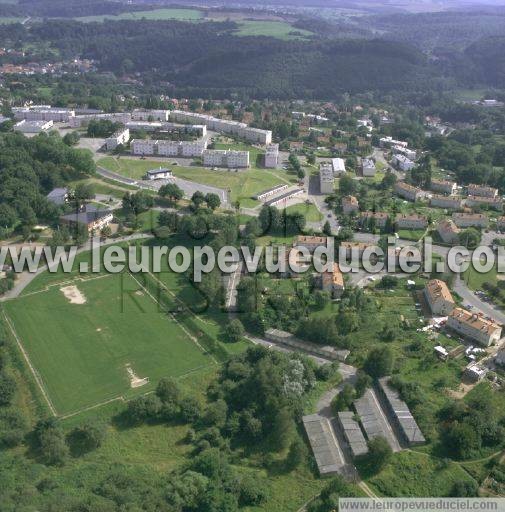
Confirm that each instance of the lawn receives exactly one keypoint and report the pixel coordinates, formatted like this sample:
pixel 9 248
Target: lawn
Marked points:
pixel 278 29
pixel 81 350
pixel 243 184
pixel 309 211
pixel 155 14
pixel 6 20
pixel 475 279
pixel 416 474
pixel 411 234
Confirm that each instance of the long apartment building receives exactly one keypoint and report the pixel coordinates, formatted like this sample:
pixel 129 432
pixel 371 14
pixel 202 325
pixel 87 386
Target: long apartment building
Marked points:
pixel 150 115
pixel 408 191
pixel 403 163
pixel 413 221
pixel 439 297
pixel 443 186
pixel 450 202
pixel 481 191
pixel 470 220
pixel 43 113
pixel 190 149
pixel 492 202
pixel 388 142
pixel 474 327
pixel 116 117
pixel 272 156
pixel 120 137
pixel 241 130
pixel 225 158
pixel 409 153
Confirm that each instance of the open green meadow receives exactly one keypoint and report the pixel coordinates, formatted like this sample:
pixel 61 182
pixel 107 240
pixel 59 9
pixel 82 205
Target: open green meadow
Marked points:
pixel 155 14
pixel 81 351
pixel 278 29
pixel 242 184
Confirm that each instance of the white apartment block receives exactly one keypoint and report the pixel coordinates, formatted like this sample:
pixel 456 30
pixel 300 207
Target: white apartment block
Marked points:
pixel 482 191
pixel 413 221
pixel 451 202
pixel 403 163
pixel 150 115
pixel 407 191
pixel 326 179
pixel 120 137
pixel 349 204
pixel 439 297
pixel 448 231
pixel 402 150
pixel 474 327
pixel 225 158
pixel 443 186
pixel 241 130
pixel 492 202
pixel 43 113
pixel 368 167
pixel 188 149
pixel 338 166
pixel 144 147
pixel 32 126
pixel 117 117
pixel 388 142
pixel 470 220
pixel 272 156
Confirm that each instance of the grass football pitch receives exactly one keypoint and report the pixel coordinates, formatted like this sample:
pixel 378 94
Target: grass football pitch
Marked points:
pixel 81 351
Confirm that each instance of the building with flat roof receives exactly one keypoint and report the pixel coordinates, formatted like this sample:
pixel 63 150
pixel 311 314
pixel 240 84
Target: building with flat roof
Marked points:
pixel 33 126
pixel 150 115
pixel 403 163
pixel 352 432
pixel 401 414
pixel 283 198
pixel 58 196
pixel 474 326
pixel 326 179
pixel 158 174
pixel 409 153
pixel 271 192
pixel 43 113
pixel 388 142
pixel 120 137
pixel 438 297
pixel 368 168
pixel 338 165
pixel 94 220
pixel 272 156
pixel 225 158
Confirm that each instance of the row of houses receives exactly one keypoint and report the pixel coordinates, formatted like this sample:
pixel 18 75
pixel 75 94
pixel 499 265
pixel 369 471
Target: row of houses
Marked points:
pixel 469 325
pixel 286 196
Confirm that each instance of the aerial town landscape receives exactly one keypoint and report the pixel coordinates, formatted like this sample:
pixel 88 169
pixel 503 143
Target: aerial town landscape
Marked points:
pixel 320 144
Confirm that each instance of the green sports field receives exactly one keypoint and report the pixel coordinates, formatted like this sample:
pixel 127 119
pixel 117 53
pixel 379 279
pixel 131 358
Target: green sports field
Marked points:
pixel 81 351
pixel 155 14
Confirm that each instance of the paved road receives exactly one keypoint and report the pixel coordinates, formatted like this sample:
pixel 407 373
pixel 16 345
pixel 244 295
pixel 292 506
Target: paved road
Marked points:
pixel 25 278
pixel 187 186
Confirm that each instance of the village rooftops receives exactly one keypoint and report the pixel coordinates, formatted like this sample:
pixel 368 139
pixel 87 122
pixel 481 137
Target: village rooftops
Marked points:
pixel 474 320
pixel 437 289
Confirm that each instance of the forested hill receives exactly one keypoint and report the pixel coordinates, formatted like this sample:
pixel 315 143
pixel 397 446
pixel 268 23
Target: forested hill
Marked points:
pixel 488 59
pixel 208 59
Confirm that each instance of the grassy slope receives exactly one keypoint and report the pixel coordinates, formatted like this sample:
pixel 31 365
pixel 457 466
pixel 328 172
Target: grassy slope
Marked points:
pixel 278 29
pixel 81 350
pixel 243 184
pixel 309 211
